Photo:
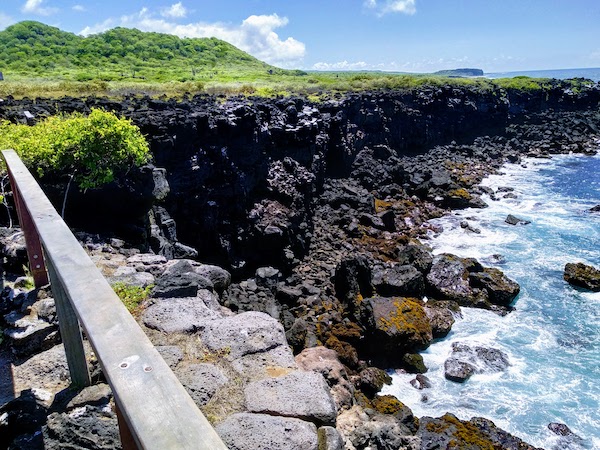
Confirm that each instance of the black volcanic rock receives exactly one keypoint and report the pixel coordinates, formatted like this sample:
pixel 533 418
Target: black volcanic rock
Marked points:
pixel 582 275
pixel 513 220
pixel 328 195
pixel 466 360
pixel 399 280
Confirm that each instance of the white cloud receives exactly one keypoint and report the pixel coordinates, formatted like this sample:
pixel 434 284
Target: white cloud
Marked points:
pixel 5 21
pixel 99 27
pixel 176 11
pixel 255 35
pixel 78 8
pixel 383 7
pixel 425 65
pixel 35 7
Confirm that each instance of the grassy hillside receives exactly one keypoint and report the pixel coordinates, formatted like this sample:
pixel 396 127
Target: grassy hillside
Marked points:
pixel 29 49
pixel 40 60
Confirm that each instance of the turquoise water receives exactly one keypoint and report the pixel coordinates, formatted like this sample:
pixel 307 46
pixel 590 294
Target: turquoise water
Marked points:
pixel 552 338
pixel 591 73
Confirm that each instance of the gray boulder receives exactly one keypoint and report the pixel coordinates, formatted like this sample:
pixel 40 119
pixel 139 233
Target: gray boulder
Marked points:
pixel 457 370
pixel 27 334
pixel 449 279
pixel 362 429
pixel 245 431
pixel 179 315
pixel 415 254
pixel 398 280
pixel 220 278
pixel 131 277
pixel 172 354
pixel 180 280
pixel 88 427
pixel 304 395
pixel 326 362
pixel 47 371
pixel 148 262
pixel 513 220
pixel 441 316
pixel 501 289
pixel 353 278
pixel 244 334
pixel 467 282
pixel 202 381
pixel 420 382
pixel 253 342
pixel 267 277
pixel 95 395
pixel 466 360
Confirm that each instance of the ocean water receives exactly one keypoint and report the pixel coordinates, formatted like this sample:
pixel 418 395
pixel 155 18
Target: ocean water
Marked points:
pixel 590 73
pixel 553 337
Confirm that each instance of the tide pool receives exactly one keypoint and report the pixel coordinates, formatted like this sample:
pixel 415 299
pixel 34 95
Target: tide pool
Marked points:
pixel 552 338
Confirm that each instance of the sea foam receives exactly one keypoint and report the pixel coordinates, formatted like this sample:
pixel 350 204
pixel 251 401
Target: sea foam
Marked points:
pixel 552 338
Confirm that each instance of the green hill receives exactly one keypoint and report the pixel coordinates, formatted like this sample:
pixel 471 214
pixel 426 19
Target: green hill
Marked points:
pixel 34 49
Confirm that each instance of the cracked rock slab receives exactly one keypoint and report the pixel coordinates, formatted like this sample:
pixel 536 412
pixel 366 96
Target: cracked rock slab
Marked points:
pixel 304 395
pixel 202 381
pixel 246 431
pixel 179 315
pixel 243 334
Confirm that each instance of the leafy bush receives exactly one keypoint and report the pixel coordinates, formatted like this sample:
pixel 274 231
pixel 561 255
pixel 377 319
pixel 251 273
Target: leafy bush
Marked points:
pixel 92 148
pixel 84 77
pixel 131 296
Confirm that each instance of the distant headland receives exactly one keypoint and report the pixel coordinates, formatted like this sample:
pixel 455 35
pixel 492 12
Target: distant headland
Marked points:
pixel 460 73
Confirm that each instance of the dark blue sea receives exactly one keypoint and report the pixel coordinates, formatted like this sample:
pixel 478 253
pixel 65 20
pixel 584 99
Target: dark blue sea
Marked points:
pixel 553 337
pixel 592 74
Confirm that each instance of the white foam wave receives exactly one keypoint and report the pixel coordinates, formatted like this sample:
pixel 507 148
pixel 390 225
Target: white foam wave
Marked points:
pixel 551 339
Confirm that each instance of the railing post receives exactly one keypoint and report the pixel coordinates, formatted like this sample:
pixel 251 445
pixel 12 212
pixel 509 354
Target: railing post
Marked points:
pixel 70 332
pixel 127 439
pixel 32 239
pixel 154 410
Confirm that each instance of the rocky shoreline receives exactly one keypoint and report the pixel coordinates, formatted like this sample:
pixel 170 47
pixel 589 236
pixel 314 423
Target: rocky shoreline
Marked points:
pixel 310 221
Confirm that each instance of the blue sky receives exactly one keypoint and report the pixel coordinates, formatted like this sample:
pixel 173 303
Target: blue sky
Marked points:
pixel 396 35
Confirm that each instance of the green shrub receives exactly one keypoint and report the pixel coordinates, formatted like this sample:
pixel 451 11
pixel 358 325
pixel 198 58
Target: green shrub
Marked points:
pixel 84 77
pixel 92 148
pixel 131 296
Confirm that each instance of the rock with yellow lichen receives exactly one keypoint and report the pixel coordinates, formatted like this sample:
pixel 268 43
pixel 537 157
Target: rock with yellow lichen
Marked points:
pixel 395 326
pixel 476 434
pixel 582 275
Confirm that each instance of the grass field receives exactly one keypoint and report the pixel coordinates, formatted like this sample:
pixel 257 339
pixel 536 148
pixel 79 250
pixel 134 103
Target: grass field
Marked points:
pixel 38 60
pixel 314 85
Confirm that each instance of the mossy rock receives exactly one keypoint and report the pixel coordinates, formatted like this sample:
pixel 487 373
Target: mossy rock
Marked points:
pixel 350 331
pixel 388 404
pixel 413 363
pixel 477 434
pixel 460 193
pixel 582 275
pixel 346 352
pixel 396 326
pixel 371 380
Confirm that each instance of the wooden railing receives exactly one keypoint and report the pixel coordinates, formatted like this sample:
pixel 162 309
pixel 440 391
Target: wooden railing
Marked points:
pixel 153 408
